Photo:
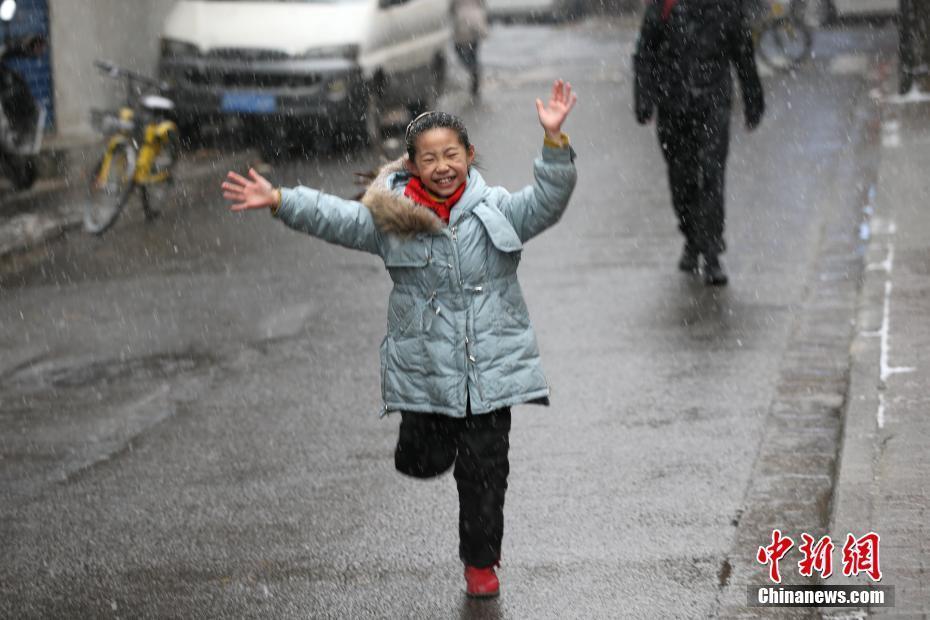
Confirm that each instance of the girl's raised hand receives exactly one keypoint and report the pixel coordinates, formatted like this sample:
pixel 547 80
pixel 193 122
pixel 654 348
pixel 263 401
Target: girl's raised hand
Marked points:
pixel 553 114
pixel 252 193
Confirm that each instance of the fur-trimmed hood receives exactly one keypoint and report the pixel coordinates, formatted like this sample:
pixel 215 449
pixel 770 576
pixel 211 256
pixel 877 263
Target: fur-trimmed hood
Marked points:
pixel 395 214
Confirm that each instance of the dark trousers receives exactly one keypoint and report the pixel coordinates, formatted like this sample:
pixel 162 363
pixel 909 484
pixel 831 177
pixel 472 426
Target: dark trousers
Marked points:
pixel 429 444
pixel 468 54
pixel 695 143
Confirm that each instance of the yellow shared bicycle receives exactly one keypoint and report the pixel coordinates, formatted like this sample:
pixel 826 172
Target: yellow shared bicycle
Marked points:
pixel 142 146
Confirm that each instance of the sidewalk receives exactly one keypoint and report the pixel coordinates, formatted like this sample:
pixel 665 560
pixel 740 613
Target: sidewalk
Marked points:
pixel 55 203
pixel 882 482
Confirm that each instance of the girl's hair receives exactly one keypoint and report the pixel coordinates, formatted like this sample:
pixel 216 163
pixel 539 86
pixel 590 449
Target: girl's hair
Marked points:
pixel 434 120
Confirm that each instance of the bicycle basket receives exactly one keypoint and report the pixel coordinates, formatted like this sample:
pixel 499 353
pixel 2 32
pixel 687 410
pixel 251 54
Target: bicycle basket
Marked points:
pixel 107 122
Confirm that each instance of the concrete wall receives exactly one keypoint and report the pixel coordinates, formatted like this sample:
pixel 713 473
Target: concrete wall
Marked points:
pixel 122 31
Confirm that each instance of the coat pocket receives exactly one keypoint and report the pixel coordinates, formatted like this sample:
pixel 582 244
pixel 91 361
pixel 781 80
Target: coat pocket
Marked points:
pixel 499 229
pixel 511 301
pixel 404 310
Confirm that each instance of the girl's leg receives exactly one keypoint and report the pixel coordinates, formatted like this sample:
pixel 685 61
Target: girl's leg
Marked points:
pixel 481 470
pixel 425 444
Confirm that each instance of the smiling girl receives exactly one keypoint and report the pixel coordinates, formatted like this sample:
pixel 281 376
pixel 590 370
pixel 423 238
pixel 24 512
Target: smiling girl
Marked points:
pixel 460 350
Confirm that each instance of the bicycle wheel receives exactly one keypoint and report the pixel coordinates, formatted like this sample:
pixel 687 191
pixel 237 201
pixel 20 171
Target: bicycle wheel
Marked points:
pixel 784 42
pixel 110 190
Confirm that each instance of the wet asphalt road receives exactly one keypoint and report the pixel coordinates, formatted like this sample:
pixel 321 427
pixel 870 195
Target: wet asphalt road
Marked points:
pixel 189 423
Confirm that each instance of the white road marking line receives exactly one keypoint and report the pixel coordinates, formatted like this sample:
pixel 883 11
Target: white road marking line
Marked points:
pixel 886 370
pixel 880 416
pixel 886 265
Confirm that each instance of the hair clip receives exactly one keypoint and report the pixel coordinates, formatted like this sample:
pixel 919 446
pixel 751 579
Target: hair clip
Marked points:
pixel 413 122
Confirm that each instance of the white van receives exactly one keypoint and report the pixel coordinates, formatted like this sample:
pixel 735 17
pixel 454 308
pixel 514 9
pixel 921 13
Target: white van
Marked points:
pixel 535 10
pixel 331 65
pixel 864 7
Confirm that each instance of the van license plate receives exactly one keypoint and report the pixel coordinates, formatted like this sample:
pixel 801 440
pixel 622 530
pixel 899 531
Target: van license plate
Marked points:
pixel 253 103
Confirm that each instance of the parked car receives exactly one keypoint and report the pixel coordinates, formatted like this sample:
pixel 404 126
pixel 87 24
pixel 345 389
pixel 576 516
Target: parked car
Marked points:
pixel 535 10
pixel 330 65
pixel 818 12
pixel 842 8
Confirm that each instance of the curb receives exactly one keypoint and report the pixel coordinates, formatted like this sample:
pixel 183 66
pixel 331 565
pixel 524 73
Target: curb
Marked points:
pixel 863 491
pixel 792 482
pixel 853 491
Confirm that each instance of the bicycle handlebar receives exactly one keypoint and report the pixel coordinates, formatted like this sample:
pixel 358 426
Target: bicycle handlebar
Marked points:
pixel 114 71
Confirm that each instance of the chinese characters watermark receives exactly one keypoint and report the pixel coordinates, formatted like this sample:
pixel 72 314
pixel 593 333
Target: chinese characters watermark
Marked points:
pixel 860 555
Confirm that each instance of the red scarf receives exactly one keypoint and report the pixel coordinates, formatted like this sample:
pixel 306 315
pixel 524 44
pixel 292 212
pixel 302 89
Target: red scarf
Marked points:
pixel 667 7
pixel 416 192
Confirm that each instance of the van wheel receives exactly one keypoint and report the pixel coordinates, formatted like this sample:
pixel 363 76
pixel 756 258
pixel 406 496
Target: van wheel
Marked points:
pixel 440 73
pixel 367 125
pixel 189 127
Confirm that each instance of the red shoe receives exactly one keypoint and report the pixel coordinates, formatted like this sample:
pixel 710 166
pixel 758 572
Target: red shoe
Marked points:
pixel 481 582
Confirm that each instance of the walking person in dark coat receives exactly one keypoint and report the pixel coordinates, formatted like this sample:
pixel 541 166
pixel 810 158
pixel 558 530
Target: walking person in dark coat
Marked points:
pixel 469 28
pixel 682 66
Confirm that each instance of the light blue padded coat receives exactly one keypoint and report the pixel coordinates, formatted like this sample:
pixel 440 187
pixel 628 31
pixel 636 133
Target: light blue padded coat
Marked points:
pixel 458 330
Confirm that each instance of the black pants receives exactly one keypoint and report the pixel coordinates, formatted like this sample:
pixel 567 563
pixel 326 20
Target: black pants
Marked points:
pixel 429 444
pixel 468 54
pixel 695 143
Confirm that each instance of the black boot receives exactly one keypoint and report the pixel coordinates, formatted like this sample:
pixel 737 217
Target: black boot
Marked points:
pixel 714 275
pixel 689 259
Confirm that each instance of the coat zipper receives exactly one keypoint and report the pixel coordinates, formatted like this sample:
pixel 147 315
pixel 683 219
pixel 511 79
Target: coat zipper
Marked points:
pixel 469 358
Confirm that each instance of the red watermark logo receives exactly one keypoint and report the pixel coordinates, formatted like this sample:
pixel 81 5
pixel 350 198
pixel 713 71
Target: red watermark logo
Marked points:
pixel 860 555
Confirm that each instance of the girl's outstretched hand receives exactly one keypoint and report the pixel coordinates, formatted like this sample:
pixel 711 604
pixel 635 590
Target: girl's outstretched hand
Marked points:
pixel 252 193
pixel 553 114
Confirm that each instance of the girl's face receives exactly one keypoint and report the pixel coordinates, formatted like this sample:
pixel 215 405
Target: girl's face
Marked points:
pixel 441 160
